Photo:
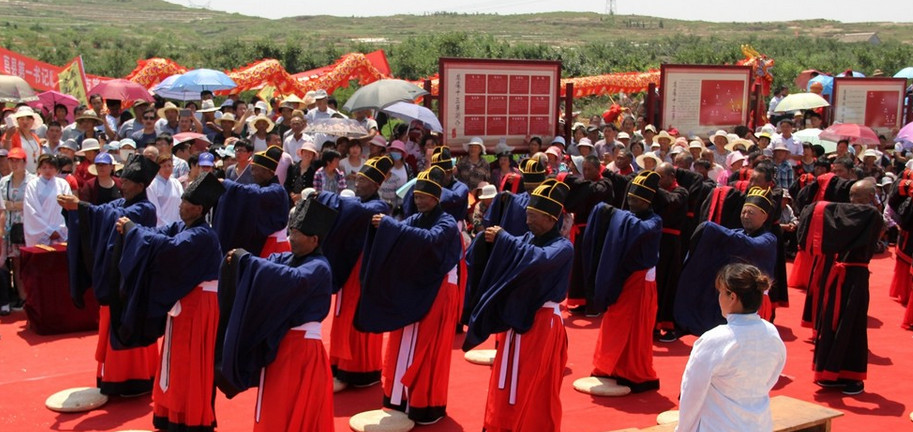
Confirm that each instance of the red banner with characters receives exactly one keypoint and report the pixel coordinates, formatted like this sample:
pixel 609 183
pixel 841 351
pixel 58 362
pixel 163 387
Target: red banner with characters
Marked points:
pixel 40 75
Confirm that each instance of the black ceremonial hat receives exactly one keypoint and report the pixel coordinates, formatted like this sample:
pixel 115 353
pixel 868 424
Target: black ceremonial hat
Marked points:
pixel 313 217
pixel 441 157
pixel 644 185
pixel 760 198
pixel 140 169
pixel 268 158
pixel 549 197
pixel 377 168
pixel 429 181
pixel 532 170
pixel 204 191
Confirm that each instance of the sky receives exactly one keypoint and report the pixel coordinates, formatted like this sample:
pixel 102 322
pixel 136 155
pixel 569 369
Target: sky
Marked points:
pixel 705 10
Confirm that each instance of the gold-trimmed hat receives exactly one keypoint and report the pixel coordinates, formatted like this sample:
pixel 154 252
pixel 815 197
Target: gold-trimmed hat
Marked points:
pixel 760 198
pixel 441 158
pixel 532 171
pixel 268 158
pixel 429 181
pixel 548 198
pixel 376 169
pixel 644 185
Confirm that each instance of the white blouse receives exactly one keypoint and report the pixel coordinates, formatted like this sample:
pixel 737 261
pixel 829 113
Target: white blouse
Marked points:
pixel 727 382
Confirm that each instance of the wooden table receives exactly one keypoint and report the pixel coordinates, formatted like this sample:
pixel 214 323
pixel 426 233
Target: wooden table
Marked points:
pixel 48 305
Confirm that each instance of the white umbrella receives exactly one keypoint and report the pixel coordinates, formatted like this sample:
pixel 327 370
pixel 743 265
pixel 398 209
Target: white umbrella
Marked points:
pixel 811 136
pixel 14 89
pixel 380 94
pixel 801 101
pixel 410 111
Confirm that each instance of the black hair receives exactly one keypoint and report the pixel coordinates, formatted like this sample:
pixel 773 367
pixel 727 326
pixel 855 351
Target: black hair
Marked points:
pixel 59 106
pixel 53 123
pixel 329 155
pixel 846 162
pixel 244 143
pixel 767 169
pixel 193 160
pixel 50 160
pixel 166 137
pixel 592 160
pixel 746 281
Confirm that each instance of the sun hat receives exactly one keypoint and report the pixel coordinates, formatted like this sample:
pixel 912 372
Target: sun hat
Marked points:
pixel 488 191
pixel 207 106
pixel 475 141
pixel 26 111
pixel 169 106
pixel 88 144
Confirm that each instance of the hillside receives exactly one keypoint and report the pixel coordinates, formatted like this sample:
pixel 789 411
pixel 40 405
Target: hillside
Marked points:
pixel 158 18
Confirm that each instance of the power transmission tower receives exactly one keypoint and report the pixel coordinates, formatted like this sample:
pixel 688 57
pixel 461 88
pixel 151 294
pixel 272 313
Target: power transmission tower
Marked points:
pixel 610 7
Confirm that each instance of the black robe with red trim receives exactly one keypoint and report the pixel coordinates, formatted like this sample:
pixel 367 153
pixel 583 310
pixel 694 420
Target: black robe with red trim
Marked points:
pixel 698 189
pixel 584 195
pixel 826 187
pixel 847 235
pixel 672 207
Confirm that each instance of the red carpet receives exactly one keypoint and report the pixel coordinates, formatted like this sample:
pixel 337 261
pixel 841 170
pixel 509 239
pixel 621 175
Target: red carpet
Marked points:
pixel 33 367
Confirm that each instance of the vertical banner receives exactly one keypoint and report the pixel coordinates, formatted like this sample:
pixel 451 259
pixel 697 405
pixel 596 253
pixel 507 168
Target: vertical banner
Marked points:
pixel 698 99
pixel 72 80
pixel 498 99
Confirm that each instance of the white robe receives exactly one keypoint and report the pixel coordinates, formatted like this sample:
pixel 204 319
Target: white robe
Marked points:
pixel 727 382
pixel 41 219
pixel 165 195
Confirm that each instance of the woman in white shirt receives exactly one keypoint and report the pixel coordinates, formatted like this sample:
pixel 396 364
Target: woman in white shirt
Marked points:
pixel 351 164
pixel 42 217
pixel 165 193
pixel 727 382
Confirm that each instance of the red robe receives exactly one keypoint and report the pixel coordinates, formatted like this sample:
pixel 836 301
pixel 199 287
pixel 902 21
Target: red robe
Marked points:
pixel 356 357
pixel 624 348
pixel 122 371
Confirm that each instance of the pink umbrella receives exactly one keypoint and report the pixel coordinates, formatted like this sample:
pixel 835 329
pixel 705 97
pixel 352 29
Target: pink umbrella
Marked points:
pixel 121 89
pixel 855 133
pixel 905 136
pixel 48 99
pixel 198 139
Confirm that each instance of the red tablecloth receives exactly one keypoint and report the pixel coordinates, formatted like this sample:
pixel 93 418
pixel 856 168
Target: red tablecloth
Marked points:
pixel 47 303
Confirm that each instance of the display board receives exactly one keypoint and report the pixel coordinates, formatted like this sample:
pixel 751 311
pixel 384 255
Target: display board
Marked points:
pixel 874 102
pixel 498 99
pixel 700 99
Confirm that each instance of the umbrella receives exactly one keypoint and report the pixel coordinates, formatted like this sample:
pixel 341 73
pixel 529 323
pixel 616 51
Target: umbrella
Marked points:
pixel 15 89
pixel 121 89
pixel 196 137
pixel 164 89
pixel 826 81
pixel 410 111
pixel 338 127
pixel 906 72
pixel 804 76
pixel 199 80
pixel 51 98
pixel 853 74
pixel 811 136
pixel 905 136
pixel 801 101
pixel 855 133
pixel 379 94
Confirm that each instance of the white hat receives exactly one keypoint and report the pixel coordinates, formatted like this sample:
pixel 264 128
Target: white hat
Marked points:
pixel 650 128
pixel 320 94
pixel 26 111
pixel 488 191
pixel 696 145
pixel 88 144
pixel 622 135
pixel 347 193
pixel 207 106
pixel 379 141
pixel 720 133
pixel 734 157
pixel 475 141
pixel 585 142
pixel 648 155
pixel 676 150
pixel 262 106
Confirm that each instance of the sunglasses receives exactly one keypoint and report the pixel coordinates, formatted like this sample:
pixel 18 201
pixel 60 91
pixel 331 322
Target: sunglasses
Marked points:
pixel 148 118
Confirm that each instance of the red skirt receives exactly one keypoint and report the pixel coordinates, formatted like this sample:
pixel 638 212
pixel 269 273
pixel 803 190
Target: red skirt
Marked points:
pixel 624 347
pixel 908 317
pixel 296 389
pixel 276 243
pixel 801 271
pixel 902 281
pixel 765 311
pixel 416 369
pixel 182 391
pixel 356 357
pixel 523 393
pixel 122 372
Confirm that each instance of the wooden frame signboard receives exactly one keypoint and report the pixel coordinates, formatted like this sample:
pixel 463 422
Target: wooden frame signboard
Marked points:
pixel 498 99
pixel 700 99
pixel 875 102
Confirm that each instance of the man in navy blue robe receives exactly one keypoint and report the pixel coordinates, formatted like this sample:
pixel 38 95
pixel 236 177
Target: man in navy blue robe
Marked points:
pixel 454 193
pixel 410 288
pixel 356 357
pixel 169 280
pixel 508 210
pixel 713 246
pixel 272 310
pixel 523 279
pixel 92 264
pixel 253 216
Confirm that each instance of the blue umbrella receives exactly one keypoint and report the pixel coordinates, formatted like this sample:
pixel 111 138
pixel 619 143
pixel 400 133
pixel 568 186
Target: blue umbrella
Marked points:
pixel 854 74
pixel 826 81
pixel 906 72
pixel 166 90
pixel 196 81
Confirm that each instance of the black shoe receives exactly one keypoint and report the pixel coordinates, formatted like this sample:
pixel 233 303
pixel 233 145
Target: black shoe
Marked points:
pixel 668 336
pixel 830 384
pixel 17 305
pixel 853 388
pixel 577 310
